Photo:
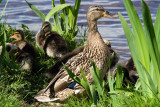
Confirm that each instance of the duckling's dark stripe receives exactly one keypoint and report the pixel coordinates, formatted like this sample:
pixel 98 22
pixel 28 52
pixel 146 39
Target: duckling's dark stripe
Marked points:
pixel 16 33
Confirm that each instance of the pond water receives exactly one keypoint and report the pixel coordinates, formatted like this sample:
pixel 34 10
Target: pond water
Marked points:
pixel 18 12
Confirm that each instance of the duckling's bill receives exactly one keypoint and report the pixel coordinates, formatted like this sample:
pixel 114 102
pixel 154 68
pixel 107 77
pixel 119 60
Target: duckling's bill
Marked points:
pixel 13 36
pixel 110 15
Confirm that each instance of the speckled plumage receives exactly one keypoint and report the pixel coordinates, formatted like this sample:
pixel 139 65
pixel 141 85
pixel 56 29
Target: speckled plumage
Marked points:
pixel 95 50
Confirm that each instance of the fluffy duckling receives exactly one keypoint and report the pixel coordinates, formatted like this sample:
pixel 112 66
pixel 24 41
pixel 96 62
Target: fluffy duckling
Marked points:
pixel 26 54
pixel 130 72
pixel 51 42
pixel 51 73
pixel 95 50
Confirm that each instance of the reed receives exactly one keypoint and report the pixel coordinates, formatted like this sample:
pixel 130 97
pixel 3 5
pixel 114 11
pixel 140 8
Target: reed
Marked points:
pixel 145 48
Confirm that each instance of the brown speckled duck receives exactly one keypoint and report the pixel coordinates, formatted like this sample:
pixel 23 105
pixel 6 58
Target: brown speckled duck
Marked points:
pixel 51 73
pixel 95 50
pixel 51 42
pixel 26 53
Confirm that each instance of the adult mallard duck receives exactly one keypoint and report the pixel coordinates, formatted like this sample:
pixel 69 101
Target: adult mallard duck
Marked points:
pixel 26 53
pixel 51 42
pixel 95 50
pixel 51 73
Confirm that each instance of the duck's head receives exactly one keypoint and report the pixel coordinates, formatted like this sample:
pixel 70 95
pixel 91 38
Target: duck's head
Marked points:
pixel 18 35
pixel 46 27
pixel 96 12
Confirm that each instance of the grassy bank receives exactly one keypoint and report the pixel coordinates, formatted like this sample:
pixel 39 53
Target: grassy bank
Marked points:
pixel 17 88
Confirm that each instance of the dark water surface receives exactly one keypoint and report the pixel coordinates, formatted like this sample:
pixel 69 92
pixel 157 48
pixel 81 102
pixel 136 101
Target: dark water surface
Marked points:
pixel 18 12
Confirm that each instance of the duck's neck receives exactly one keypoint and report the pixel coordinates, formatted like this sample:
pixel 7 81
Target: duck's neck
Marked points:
pixel 94 40
pixel 92 26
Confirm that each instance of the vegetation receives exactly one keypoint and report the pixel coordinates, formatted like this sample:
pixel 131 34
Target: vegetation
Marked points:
pixel 66 25
pixel 17 88
pixel 145 48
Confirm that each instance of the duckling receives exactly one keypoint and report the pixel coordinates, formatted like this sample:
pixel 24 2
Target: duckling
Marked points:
pixel 130 72
pixel 51 42
pixel 51 73
pixel 95 50
pixel 26 54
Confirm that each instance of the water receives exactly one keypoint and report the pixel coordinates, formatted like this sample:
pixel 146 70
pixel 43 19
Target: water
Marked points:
pixel 18 12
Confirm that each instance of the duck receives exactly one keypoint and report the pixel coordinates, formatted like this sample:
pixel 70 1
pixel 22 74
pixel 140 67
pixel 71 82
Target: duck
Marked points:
pixel 51 42
pixel 130 72
pixel 95 50
pixel 26 53
pixel 51 73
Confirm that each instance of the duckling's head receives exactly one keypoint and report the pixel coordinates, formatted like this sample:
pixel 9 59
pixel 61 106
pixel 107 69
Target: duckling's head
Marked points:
pixel 96 12
pixel 46 27
pixel 18 35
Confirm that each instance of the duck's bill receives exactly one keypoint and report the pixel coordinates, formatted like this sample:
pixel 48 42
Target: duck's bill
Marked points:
pixel 14 36
pixel 110 15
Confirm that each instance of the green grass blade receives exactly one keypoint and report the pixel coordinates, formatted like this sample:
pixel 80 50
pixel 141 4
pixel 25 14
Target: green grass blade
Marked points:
pixel 152 43
pixel 0 1
pixel 4 8
pixel 56 20
pixel 110 82
pixel 76 10
pixel 97 83
pixel 97 72
pixel 119 77
pixel 138 33
pixel 83 75
pixel 65 12
pixel 157 28
pixel 131 42
pixel 149 83
pixel 55 10
pixel 94 94
pixel 81 82
pixel 38 12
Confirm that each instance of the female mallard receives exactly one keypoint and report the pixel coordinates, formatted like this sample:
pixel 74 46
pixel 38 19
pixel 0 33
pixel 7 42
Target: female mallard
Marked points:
pixel 51 73
pixel 51 42
pixel 95 50
pixel 26 53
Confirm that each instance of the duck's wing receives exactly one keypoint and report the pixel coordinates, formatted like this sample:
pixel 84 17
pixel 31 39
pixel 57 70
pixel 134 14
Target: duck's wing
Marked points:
pixel 51 73
pixel 74 64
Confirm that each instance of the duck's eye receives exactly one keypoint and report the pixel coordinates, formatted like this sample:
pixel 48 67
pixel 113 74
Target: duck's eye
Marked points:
pixel 107 12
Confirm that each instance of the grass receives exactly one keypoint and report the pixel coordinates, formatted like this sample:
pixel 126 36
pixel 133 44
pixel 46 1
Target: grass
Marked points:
pixel 18 87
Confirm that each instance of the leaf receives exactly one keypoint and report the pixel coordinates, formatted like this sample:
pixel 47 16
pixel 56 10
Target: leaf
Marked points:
pixel 93 93
pixel 83 76
pixel 151 84
pixel 4 9
pixel 119 77
pixel 131 42
pixel 81 82
pixel 97 83
pixel 55 10
pixel 97 72
pixel 157 28
pixel 140 39
pixel 38 12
